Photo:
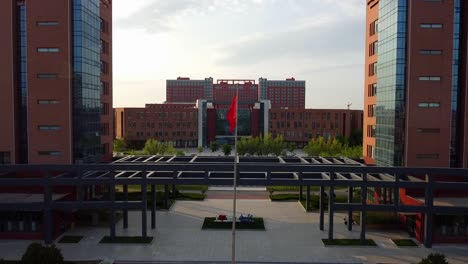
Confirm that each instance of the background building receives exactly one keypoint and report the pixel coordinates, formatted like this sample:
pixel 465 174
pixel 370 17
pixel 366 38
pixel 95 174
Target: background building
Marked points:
pixel 275 107
pixel 55 81
pixel 283 94
pixel 176 123
pixel 184 90
pixel 416 98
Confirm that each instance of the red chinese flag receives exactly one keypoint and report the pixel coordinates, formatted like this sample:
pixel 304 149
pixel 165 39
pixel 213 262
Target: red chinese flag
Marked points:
pixel 232 114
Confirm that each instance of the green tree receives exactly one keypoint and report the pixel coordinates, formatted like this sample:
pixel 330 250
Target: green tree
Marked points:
pixel 227 149
pixel 38 254
pixel 434 258
pixel 120 145
pixel 331 148
pixel 292 146
pixel 214 146
pixel 152 147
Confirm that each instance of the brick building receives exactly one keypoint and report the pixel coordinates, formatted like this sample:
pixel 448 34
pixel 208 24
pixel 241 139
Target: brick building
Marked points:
pixel 56 99
pixel 301 125
pixel 176 123
pixel 415 99
pixel 55 81
pixel 287 93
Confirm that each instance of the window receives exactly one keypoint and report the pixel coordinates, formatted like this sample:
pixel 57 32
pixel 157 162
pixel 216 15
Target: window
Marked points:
pixel 373 27
pixel 427 156
pixel 46 76
pixel 50 101
pixel 47 23
pixel 371 90
pixel 373 48
pixel 49 153
pixel 371 110
pixel 371 130
pixel 54 50
pixel 430 52
pixel 103 25
pixel 428 25
pixel 48 127
pixel 373 69
pixel 428 130
pixel 104 88
pixel 103 67
pixel 5 157
pixel 429 105
pixel 429 78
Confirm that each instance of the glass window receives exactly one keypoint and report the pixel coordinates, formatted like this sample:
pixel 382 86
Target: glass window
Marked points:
pixel 47 76
pixel 53 50
pixel 47 23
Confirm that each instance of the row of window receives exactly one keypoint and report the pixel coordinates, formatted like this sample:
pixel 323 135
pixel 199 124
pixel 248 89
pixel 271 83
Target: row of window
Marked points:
pixel 166 134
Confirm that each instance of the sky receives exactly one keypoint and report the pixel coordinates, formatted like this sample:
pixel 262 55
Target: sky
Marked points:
pixel 319 41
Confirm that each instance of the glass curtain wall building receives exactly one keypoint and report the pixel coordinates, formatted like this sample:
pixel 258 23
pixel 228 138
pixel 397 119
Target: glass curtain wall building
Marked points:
pixel 86 81
pixel 390 109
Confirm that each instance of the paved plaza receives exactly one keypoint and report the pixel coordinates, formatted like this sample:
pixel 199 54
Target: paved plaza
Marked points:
pixel 291 235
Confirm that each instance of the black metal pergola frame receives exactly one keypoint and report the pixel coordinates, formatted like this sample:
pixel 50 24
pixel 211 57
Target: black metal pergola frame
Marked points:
pixel 249 174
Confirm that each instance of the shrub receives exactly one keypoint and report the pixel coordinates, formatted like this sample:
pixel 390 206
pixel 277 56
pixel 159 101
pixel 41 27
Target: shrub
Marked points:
pixel 434 258
pixel 227 149
pixel 214 146
pixel 39 254
pixel 200 149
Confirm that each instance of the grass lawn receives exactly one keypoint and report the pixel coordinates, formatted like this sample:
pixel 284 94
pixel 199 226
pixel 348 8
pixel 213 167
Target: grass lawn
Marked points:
pixel 348 242
pixel 272 189
pixel 210 223
pixel 191 196
pixel 314 199
pixel 70 239
pixel 127 240
pixel 404 242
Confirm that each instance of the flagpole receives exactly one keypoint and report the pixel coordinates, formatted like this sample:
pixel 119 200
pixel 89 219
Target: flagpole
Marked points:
pixel 235 184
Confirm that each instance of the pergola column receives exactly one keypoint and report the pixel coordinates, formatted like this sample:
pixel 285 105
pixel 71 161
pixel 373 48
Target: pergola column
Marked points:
pixel 112 199
pixel 166 196
pixel 47 213
pixel 153 206
pixel 350 211
pixel 321 207
pixel 143 204
pixel 331 201
pixel 125 210
pixel 307 198
pixel 363 209
pixel 428 217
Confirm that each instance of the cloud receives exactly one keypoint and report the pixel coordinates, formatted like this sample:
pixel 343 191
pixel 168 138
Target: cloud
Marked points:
pixel 326 37
pixel 163 15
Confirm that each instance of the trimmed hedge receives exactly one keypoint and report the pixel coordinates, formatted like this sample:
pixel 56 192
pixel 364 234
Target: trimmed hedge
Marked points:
pixel 70 239
pixel 126 240
pixel 209 223
pixel 348 242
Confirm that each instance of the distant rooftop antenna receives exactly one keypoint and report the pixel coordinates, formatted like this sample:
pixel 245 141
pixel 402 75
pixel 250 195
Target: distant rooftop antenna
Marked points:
pixel 349 104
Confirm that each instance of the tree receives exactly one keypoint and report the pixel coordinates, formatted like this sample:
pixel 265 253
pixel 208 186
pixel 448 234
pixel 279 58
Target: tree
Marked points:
pixel 227 149
pixel 214 146
pixel 292 146
pixel 39 254
pixel 120 145
pixel 331 148
pixel 152 147
pixel 434 258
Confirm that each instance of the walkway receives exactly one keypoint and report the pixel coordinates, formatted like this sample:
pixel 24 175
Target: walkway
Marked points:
pixel 292 235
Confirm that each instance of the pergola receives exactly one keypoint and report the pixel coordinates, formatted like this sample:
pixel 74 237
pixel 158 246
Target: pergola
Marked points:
pixel 261 171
